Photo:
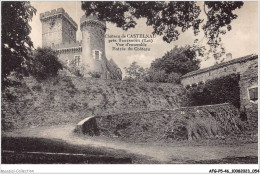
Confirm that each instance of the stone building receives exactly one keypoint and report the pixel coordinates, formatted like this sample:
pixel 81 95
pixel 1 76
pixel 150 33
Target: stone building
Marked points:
pixel 233 66
pixel 249 94
pixel 88 55
pixel 247 67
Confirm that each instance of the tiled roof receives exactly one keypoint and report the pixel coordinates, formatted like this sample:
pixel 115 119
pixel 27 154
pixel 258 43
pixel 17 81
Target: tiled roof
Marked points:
pixel 238 60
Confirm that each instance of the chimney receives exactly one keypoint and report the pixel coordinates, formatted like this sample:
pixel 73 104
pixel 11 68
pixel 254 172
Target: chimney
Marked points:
pixel 228 56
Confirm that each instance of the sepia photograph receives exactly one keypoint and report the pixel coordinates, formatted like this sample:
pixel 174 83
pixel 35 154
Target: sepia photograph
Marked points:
pixel 129 82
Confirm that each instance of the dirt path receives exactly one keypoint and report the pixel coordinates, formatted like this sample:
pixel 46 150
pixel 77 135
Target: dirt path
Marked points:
pixel 160 153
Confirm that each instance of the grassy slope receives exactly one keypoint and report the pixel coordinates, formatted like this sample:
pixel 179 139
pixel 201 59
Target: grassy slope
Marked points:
pixel 64 100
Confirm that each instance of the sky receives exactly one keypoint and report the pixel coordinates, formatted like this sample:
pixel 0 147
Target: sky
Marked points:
pixel 240 41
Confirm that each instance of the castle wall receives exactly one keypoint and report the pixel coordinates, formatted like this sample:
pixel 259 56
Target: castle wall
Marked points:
pixel 57 28
pixel 68 32
pixel 93 39
pixel 69 56
pixel 51 34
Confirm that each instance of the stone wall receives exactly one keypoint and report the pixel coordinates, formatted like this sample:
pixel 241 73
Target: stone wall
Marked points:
pixel 57 27
pixel 69 56
pixel 249 79
pixel 93 40
pixel 239 65
pixel 51 35
pixel 67 100
pixel 68 32
pixel 207 121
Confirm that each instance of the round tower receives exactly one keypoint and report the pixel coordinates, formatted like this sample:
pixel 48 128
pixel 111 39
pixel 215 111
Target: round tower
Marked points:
pixel 93 43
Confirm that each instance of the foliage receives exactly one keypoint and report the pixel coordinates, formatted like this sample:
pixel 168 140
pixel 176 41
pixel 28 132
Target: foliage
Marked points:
pixel 219 16
pixel 169 18
pixel 95 74
pixel 156 76
pixel 168 69
pixel 44 63
pixel 173 78
pixel 190 123
pixel 74 69
pixel 179 60
pixel 16 43
pixel 135 72
pixel 161 76
pixel 220 90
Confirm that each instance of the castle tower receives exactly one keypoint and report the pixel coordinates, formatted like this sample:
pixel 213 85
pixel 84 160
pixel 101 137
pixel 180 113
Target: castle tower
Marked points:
pixel 57 28
pixel 93 44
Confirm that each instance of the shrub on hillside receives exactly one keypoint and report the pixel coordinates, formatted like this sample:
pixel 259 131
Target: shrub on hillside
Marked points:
pixel 156 76
pixel 95 74
pixel 74 68
pixel 44 63
pixel 221 90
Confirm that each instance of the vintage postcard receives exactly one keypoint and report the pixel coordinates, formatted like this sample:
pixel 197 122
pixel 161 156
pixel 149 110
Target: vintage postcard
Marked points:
pixel 129 82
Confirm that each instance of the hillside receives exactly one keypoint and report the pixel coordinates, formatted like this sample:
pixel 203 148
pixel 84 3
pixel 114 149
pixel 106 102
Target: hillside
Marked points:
pixel 63 100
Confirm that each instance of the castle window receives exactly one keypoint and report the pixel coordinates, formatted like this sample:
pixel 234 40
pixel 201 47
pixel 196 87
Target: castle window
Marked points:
pixel 253 94
pixel 97 54
pixel 52 45
pixel 77 60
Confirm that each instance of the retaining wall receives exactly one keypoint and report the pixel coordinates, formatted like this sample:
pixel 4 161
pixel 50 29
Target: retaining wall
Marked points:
pixel 170 125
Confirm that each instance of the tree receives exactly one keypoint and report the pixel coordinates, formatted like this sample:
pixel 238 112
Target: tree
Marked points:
pixel 156 76
pixel 73 68
pixel 44 63
pixel 168 69
pixel 168 19
pixel 180 60
pixel 135 72
pixel 216 91
pixel 16 43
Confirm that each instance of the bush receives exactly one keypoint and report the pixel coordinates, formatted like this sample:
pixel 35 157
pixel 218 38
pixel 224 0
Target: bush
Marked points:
pixel 44 63
pixel 221 90
pixel 156 76
pixel 95 74
pixel 173 78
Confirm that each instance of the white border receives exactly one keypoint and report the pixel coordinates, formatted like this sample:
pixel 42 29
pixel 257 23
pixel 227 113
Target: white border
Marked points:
pixel 130 168
pixel 166 168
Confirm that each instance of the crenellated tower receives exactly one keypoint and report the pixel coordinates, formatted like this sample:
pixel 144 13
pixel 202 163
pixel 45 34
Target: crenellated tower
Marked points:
pixel 93 43
pixel 87 56
pixel 57 28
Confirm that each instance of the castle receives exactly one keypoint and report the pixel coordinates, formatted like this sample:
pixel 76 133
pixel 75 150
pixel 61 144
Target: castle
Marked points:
pixel 88 56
